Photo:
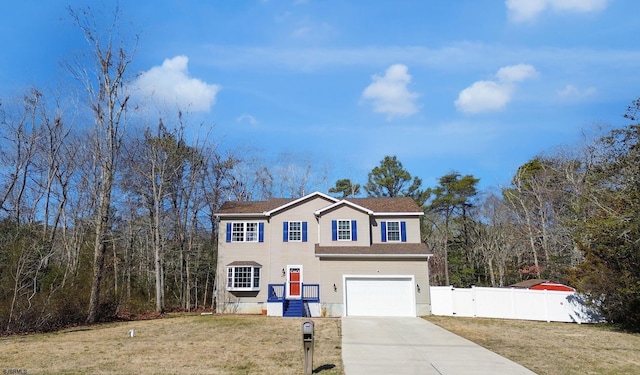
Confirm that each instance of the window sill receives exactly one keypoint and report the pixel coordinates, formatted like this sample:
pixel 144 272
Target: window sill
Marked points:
pixel 243 289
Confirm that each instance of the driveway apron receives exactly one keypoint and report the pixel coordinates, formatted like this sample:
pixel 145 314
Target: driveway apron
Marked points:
pixel 415 346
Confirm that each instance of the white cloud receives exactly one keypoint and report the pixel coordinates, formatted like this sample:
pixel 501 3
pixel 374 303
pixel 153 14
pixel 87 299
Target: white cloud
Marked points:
pixel 578 5
pixel 170 84
pixel 573 92
pixel 494 95
pixel 484 96
pixel 246 117
pixel 525 10
pixel 520 11
pixel 389 94
pixel 516 73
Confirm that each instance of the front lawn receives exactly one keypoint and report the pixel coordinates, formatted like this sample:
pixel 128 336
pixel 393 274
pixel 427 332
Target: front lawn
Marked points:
pixel 179 344
pixel 552 348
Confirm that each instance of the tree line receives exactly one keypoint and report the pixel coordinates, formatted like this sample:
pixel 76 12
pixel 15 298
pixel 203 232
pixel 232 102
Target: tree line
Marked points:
pixel 105 212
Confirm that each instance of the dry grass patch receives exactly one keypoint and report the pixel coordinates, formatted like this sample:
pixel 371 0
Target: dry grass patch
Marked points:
pixel 180 344
pixel 552 348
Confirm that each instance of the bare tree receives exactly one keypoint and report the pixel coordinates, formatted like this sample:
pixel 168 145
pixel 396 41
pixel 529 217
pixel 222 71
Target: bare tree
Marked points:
pixel 295 175
pixel 57 163
pixel 496 239
pixel 21 133
pixel 520 201
pixel 107 97
pixel 544 197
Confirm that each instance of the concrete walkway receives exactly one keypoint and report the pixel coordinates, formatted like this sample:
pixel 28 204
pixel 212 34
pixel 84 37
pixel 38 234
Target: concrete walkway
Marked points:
pixel 415 346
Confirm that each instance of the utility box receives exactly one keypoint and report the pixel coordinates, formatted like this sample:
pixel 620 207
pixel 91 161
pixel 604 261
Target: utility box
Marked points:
pixel 307 343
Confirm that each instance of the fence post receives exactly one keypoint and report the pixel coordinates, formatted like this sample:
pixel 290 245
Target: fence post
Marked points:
pixel 474 303
pixel 453 304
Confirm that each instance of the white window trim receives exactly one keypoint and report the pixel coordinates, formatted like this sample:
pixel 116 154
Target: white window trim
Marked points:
pixel 349 228
pixel 399 231
pixel 253 287
pixel 298 231
pixel 245 225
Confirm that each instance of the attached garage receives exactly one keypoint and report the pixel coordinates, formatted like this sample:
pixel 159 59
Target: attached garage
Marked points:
pixel 379 295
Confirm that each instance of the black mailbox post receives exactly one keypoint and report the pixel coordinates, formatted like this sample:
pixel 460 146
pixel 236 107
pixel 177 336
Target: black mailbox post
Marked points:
pixel 307 343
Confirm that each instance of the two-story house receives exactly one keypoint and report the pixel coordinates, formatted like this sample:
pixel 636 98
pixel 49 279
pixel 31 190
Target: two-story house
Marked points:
pixel 323 256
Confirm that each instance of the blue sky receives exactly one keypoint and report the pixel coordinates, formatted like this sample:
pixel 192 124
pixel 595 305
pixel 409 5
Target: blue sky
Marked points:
pixel 479 87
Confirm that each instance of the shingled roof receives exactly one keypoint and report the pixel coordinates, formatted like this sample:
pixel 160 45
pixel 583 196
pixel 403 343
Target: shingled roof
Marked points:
pixel 397 204
pixel 233 207
pixel 376 249
pixel 388 205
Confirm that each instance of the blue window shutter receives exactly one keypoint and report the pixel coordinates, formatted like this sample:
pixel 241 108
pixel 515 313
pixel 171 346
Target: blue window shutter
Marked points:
pixel 228 232
pixel 383 231
pixel 403 231
pixel 334 230
pixel 354 231
pixel 260 232
pixel 304 231
pixel 285 231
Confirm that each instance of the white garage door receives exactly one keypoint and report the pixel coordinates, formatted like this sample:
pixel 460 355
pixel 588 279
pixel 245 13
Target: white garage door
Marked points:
pixel 379 295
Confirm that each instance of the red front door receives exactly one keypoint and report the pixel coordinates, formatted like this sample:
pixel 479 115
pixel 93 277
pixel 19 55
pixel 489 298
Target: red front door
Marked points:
pixel 294 282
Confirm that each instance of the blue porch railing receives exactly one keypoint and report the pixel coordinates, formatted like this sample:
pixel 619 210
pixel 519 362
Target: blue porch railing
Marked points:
pixel 310 292
pixel 297 306
pixel 276 293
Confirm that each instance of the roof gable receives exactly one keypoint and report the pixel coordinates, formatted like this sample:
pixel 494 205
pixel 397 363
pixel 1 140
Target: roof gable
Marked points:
pixel 300 200
pixel 370 206
pixel 343 203
pixel 266 208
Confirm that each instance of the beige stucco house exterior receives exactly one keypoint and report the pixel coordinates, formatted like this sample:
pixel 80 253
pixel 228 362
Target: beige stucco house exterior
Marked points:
pixel 323 256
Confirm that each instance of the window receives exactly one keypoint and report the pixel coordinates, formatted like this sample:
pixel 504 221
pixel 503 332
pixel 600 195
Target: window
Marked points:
pixel 344 230
pixel 252 232
pixel 243 277
pixel 295 231
pixel 393 231
pixel 237 235
pixel 245 232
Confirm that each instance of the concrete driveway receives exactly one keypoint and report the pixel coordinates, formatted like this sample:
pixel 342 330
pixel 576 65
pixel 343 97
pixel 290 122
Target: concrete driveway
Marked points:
pixel 414 346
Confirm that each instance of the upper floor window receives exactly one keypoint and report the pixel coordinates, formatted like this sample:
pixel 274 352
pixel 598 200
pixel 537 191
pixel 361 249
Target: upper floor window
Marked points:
pixel 245 232
pixel 344 230
pixel 393 231
pixel 294 231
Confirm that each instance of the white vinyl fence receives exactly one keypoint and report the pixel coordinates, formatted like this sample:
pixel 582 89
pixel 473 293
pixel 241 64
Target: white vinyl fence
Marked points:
pixel 512 303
